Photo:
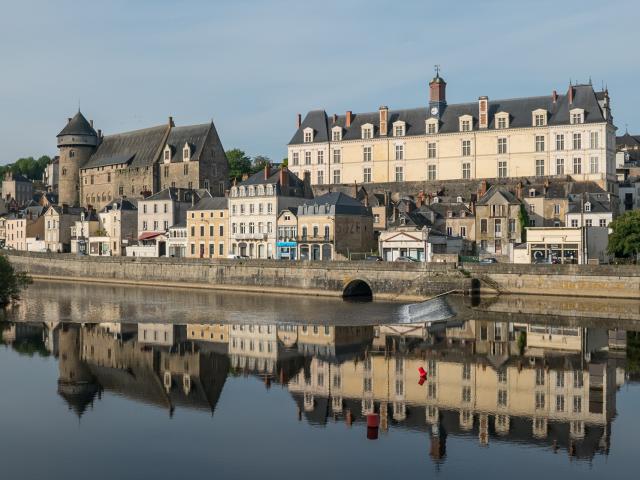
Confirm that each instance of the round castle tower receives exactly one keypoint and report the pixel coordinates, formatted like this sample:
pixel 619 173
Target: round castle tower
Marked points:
pixel 76 143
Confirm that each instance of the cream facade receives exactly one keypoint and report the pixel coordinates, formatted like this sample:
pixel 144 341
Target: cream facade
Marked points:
pixel 57 227
pixel 208 228
pixel 558 135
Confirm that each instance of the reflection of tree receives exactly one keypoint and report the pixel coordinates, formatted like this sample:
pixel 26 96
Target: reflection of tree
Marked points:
pixel 31 346
pixel 633 352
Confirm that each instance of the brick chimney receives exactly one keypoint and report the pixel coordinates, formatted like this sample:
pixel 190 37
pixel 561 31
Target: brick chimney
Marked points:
pixel 355 189
pixel 335 118
pixel 245 176
pixel 348 118
pixel 437 90
pixel 267 171
pixel 420 199
pixel 284 179
pixel 554 96
pixel 384 118
pixel 570 94
pixel 298 120
pixel 171 124
pixel 483 188
pixel 483 112
pixel 519 190
pixel 308 192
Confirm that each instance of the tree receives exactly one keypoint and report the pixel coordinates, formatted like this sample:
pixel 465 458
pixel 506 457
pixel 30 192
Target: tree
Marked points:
pixel 239 163
pixel 523 217
pixel 11 282
pixel 29 167
pixel 259 162
pixel 285 162
pixel 625 239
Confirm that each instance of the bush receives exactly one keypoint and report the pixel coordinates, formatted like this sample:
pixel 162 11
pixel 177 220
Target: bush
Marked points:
pixel 11 282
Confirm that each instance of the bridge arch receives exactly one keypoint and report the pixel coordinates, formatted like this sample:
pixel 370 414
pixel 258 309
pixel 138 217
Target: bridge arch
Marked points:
pixel 357 289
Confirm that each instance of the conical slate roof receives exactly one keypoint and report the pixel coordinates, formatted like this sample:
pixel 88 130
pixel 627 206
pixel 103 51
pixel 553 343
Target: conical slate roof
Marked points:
pixel 78 126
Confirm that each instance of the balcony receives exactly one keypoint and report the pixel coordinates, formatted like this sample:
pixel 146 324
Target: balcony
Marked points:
pixel 250 236
pixel 315 238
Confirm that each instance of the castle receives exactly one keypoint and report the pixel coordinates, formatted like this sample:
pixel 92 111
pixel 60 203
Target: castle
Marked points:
pixel 95 169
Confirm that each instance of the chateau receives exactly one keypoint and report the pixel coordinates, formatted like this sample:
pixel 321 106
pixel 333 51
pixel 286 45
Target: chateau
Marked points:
pixel 553 135
pixel 95 169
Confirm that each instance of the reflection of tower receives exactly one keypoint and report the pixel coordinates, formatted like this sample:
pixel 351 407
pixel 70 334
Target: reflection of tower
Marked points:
pixel 438 450
pixel 75 382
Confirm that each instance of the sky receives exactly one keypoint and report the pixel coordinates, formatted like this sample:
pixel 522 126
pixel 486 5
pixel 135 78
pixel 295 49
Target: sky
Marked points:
pixel 252 65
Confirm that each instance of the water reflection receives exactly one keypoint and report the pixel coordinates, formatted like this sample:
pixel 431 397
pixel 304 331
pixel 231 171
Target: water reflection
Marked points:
pixel 493 381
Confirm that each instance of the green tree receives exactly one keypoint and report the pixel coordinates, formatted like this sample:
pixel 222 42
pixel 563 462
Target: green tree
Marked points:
pixel 523 217
pixel 28 166
pixel 259 162
pixel 625 239
pixel 285 162
pixel 239 163
pixel 11 282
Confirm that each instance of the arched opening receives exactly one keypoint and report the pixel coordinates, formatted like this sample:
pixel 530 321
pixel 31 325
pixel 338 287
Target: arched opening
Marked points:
pixel 358 290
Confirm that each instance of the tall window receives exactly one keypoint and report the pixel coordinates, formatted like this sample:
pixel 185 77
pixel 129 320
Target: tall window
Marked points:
pixel 483 225
pixel 466 148
pixel 336 135
pixel 307 158
pixel 398 131
pixel 559 166
pixel 502 145
pixel 502 122
pixel 593 165
pixel 576 118
pixel 539 143
pixel 431 172
pixel 539 168
pixel 577 165
pixel 321 157
pixel 431 128
pixel 466 171
pixel 465 125
pixel 308 137
pixel 336 155
pixel 366 175
pixel 366 133
pixel 336 176
pixel 559 141
pixel 539 119
pixel 320 177
pixel 399 152
pixel 399 174
pixel 577 141
pixel 502 169
pixel 593 143
pixel 431 150
pixel 296 158
pixel 366 154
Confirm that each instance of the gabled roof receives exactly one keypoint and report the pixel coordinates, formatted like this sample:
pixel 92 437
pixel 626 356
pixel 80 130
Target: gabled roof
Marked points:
pixel 519 109
pixel 178 195
pixel 139 148
pixel 627 140
pixel 598 204
pixel 211 203
pixel 334 203
pixel 121 203
pixel 498 190
pixel 78 125
pixel 193 135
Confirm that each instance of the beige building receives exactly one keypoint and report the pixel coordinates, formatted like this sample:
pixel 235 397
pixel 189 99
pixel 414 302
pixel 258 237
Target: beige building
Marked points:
pixel 254 207
pixel 287 236
pixel 17 187
pixel 82 230
pixel 572 245
pixel 553 135
pixel 3 231
pixel 546 206
pixel 58 221
pixel 118 226
pixel 208 228
pixel 498 221
pixel 25 228
pixel 334 226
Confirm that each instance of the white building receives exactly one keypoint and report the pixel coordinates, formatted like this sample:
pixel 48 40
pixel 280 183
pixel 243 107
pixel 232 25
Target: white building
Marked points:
pixel 590 210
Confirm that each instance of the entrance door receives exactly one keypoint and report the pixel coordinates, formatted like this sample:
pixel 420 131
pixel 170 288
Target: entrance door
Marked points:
pixel 201 250
pixel 261 251
pixel 162 249
pixel 315 252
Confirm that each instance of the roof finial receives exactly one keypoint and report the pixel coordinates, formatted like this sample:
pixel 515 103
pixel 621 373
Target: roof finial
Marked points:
pixel 590 80
pixel 437 69
pixel 626 129
pixel 78 104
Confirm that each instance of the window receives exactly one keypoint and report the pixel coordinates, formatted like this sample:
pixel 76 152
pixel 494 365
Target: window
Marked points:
pixel 556 209
pixel 577 404
pixel 307 158
pixel 465 125
pixel 539 400
pixel 336 155
pixel 366 154
pixel 594 143
pixel 308 136
pixel 366 175
pixel 576 117
pixel 185 169
pixel 539 168
pixel 602 222
pixel 560 166
pixel 431 128
pixel 560 379
pixel 577 379
pixel 502 376
pixel 466 394
pixel 221 249
pixel 399 174
pixel 399 152
pixel 577 141
pixel 539 377
pixel 336 176
pixel 466 171
pixel 539 143
pixel 185 154
pixel 321 157
pixel 502 398
pixel 594 164
pixel 202 230
pixel 502 145
pixel 588 222
pixel 320 177
pixel 559 141
pixel 466 148
pixel 502 122
pixel 431 150
pixel 398 131
pixel 497 227
pixel 466 371
pixel 539 119
pixel 431 172
pixel 483 225
pixel 559 403
pixel 221 230
pixel 337 135
pixel 296 158
pixel 366 133
pixel 577 165
pixel 502 169
pixel 574 222
pixel 587 207
pixel 463 232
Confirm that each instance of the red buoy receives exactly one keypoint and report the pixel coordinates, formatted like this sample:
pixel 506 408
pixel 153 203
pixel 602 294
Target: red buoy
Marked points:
pixel 422 372
pixel 421 381
pixel 373 420
pixel 372 433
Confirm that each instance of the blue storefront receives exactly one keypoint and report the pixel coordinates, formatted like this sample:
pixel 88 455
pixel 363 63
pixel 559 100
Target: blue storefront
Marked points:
pixel 286 250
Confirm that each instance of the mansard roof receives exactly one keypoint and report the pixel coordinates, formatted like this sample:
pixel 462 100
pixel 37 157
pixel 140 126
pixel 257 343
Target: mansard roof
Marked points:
pixel 333 203
pixel 193 135
pixel 211 203
pixel 519 110
pixel 78 125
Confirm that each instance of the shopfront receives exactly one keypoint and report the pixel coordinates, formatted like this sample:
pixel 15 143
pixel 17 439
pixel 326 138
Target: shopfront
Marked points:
pixel 555 253
pixel 286 250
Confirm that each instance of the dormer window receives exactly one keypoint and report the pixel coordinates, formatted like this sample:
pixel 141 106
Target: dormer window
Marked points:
pixel 532 192
pixel 436 200
pixel 367 131
pixel 449 213
pixel 459 199
pixel 336 134
pixel 539 118
pixel 576 116
pixel 398 129
pixel 587 207
pixel 466 123
pixel 502 120
pixel 432 126
pixel 167 154
pixel 186 153
pixel 308 135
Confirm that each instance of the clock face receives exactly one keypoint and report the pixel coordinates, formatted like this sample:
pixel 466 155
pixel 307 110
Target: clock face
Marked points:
pixel 434 110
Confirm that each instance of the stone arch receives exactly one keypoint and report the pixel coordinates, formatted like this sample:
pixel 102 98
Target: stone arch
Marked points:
pixel 357 288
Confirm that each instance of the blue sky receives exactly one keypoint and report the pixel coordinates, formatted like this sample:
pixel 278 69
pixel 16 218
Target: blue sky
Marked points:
pixel 252 65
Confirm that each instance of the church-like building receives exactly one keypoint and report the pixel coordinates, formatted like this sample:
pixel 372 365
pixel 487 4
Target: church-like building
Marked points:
pixel 95 169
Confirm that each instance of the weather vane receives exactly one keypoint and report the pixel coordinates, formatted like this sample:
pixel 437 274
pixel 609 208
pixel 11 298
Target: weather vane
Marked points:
pixel 437 68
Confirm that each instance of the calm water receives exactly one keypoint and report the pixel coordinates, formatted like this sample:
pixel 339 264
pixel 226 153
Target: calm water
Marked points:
pixel 113 382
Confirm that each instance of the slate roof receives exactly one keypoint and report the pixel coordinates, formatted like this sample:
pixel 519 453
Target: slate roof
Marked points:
pixel 16 177
pixel 627 140
pixel 519 109
pixel 122 203
pixel 177 194
pixel 211 203
pixel 457 209
pixel 78 125
pixel 333 203
pixel 194 135
pixel 139 148
pixel 598 205
pixel 258 179
pixel 496 189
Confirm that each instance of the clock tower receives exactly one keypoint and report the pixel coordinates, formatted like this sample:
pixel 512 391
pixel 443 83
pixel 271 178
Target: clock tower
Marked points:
pixel 437 96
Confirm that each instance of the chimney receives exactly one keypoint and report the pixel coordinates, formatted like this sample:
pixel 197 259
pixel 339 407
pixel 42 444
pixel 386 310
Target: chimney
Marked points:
pixel 99 134
pixel 171 124
pixel 519 190
pixel 284 179
pixel 570 94
pixel 307 190
pixel 298 120
pixel 68 119
pixel 420 199
pixel 384 116
pixel 472 207
pixel 335 118
pixel 437 90
pixel 348 120
pixel 91 123
pixel 483 112
pixel 245 176
pixel 546 185
pixel 267 171
pixel 483 188
pixel 554 96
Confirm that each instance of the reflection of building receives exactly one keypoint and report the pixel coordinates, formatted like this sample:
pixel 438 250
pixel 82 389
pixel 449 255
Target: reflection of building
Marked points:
pixel 164 334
